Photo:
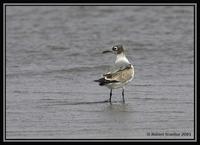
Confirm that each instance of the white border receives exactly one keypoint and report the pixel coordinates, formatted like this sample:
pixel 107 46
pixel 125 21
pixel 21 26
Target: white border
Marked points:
pixel 96 4
pixel 195 77
pixel 4 79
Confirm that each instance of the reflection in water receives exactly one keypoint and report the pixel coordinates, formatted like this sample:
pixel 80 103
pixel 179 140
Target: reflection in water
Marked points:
pixel 55 102
pixel 118 107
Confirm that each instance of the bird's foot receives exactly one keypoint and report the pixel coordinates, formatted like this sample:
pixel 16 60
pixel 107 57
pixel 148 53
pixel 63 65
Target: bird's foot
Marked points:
pixel 108 101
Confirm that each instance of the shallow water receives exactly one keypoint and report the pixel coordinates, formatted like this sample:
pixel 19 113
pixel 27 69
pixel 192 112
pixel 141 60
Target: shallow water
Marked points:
pixel 53 54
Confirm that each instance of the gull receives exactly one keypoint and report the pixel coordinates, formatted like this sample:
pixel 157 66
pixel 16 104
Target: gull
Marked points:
pixel 120 75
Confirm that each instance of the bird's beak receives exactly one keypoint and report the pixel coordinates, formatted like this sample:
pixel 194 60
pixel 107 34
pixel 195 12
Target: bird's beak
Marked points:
pixel 107 51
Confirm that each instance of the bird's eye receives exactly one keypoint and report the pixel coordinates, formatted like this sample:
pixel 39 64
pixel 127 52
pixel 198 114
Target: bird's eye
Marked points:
pixel 114 48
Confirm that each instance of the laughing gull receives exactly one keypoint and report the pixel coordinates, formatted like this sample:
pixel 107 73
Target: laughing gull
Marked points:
pixel 120 74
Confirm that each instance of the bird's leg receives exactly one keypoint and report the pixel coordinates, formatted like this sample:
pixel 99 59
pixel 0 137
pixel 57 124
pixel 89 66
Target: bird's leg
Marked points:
pixel 110 95
pixel 123 95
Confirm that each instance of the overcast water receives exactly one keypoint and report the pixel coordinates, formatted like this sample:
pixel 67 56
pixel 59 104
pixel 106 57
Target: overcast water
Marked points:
pixel 53 54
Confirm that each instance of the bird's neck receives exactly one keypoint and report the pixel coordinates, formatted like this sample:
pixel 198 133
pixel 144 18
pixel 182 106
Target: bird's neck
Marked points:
pixel 121 58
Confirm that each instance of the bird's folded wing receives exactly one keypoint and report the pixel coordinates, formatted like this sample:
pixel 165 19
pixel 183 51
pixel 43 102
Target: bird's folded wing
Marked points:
pixel 117 68
pixel 123 73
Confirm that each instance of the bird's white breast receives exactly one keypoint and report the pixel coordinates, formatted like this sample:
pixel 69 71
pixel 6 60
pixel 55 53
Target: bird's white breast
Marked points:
pixel 121 58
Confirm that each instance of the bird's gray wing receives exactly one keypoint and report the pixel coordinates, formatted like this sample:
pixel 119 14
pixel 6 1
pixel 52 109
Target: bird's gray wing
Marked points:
pixel 117 68
pixel 122 74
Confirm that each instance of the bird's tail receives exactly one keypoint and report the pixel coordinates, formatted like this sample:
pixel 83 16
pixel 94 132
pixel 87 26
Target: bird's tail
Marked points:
pixel 103 81
pixel 96 80
pixel 100 81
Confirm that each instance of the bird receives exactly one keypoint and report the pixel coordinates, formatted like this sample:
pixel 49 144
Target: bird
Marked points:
pixel 120 74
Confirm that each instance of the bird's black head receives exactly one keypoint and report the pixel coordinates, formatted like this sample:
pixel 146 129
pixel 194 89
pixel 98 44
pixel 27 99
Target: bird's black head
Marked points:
pixel 118 49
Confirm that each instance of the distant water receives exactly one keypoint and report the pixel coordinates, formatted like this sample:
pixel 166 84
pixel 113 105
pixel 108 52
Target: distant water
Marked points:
pixel 53 54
